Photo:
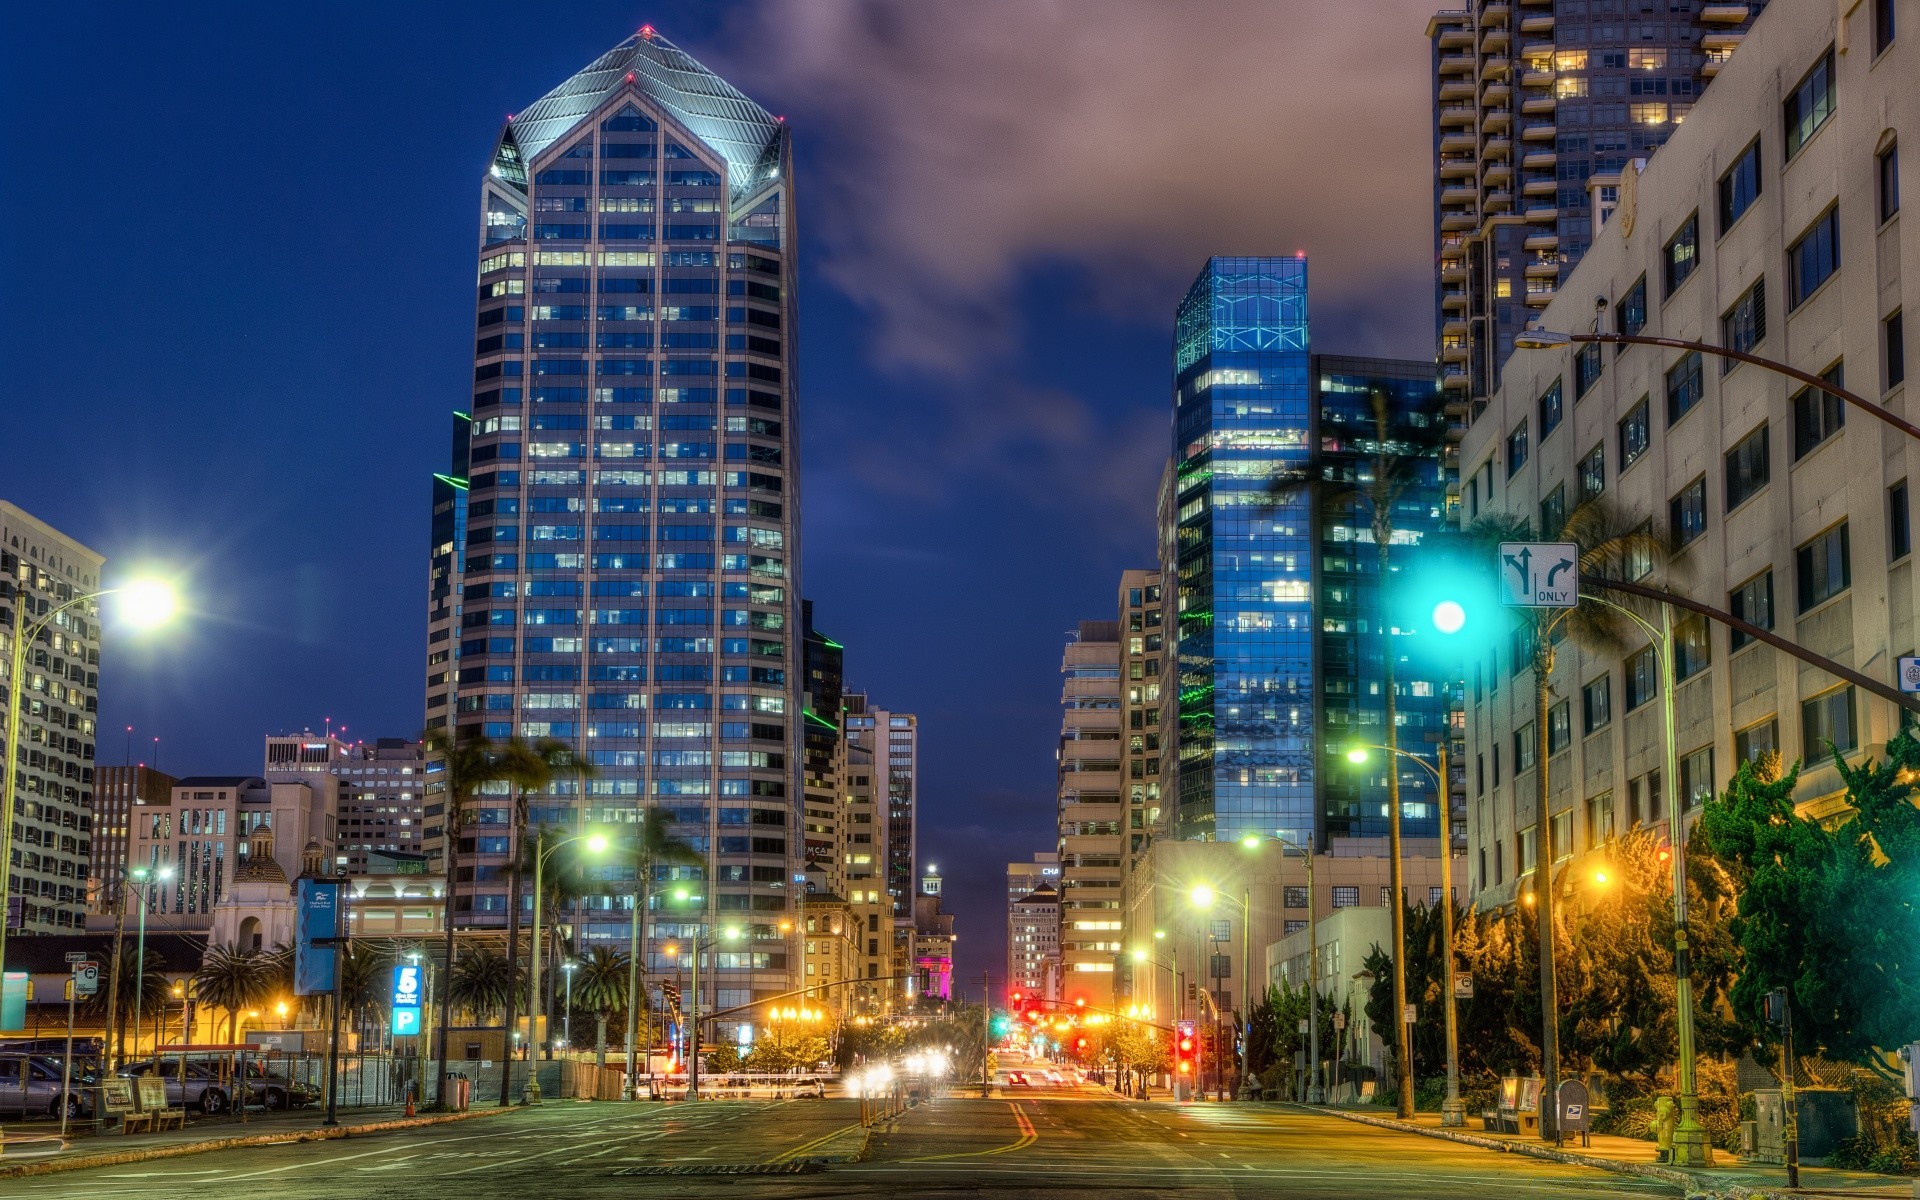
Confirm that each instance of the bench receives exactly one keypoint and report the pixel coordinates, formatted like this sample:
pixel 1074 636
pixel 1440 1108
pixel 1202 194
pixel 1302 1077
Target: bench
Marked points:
pixel 152 1113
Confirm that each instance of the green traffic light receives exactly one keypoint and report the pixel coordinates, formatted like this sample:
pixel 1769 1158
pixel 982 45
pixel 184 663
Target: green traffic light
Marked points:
pixel 1449 616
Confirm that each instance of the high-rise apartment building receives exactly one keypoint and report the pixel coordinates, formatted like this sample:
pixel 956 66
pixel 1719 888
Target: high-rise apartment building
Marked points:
pixel 1144 651
pixel 1771 224
pixel 119 793
pixel 1092 812
pixel 1538 106
pixel 615 541
pixel 376 791
pixel 1033 942
pixel 53 787
pixel 824 661
pixel 892 740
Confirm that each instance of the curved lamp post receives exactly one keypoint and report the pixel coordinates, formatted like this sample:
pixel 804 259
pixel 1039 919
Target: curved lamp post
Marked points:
pixel 147 603
pixel 1315 1093
pixel 596 842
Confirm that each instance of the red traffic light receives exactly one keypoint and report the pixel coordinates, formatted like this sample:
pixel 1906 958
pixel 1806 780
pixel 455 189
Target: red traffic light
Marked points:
pixel 1186 1044
pixel 1080 1044
pixel 1017 997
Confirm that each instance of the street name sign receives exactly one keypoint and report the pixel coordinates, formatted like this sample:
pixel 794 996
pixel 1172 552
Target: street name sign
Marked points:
pixel 1539 574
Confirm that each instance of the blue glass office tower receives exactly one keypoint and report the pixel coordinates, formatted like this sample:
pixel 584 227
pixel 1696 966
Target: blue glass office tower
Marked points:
pixel 1276 595
pixel 613 560
pixel 1243 569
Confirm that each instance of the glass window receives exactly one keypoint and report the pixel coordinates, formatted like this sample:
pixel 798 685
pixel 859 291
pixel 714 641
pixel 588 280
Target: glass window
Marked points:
pixel 1893 337
pixel 1653 112
pixel 1525 740
pixel 1813 259
pixel 1551 410
pixel 1810 103
pixel 1744 326
pixel 1828 718
pixel 1752 602
pixel 1516 449
pixel 1636 435
pixel 1553 511
pixel 1684 386
pixel 1688 513
pixel 1682 253
pixel 1593 473
pixel 1656 796
pixel 1696 778
pixel 1825 567
pixel 1899 521
pixel 1599 818
pixel 1817 414
pixel 1882 25
pixel 1346 896
pixel 1596 703
pixel 1559 727
pixel 1888 163
pixel 1643 677
pixel 1756 739
pixel 1633 307
pixel 1739 187
pixel 1692 646
pixel 1587 365
pixel 1747 468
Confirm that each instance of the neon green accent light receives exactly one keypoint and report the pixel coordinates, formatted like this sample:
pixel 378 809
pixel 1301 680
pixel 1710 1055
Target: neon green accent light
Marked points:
pixel 452 481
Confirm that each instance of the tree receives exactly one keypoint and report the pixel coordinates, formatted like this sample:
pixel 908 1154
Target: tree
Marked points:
pixel 144 989
pixel 1608 546
pixel 236 980
pixel 600 987
pixel 526 768
pixel 481 983
pixel 1402 453
pixel 653 846
pixel 787 1046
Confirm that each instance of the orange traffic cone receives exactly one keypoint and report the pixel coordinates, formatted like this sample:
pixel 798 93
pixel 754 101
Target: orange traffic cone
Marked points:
pixel 409 1111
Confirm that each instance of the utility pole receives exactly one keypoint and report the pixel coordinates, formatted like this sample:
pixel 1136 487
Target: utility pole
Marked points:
pixel 1453 1110
pixel 986 1033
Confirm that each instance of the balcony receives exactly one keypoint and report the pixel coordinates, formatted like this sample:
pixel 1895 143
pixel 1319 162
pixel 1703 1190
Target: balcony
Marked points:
pixel 1453 300
pixel 1542 214
pixel 1714 60
pixel 1539 160
pixel 1453 275
pixel 1496 13
pixel 1458 143
pixel 1495 66
pixel 1542 241
pixel 1457 115
pixel 1452 196
pixel 1494 122
pixel 1456 64
pixel 1540 187
pixel 1453 350
pixel 1498 147
pixel 1537 23
pixel 1459 220
pixel 1495 91
pixel 1456 89
pixel 1540 297
pixel 1458 166
pixel 1456 37
pixel 1498 175
pixel 1494 39
pixel 1501 201
pixel 1454 378
pixel 1721 41
pixel 1537 79
pixel 1539 104
pixel 1540 131
pixel 1725 14
pixel 1544 268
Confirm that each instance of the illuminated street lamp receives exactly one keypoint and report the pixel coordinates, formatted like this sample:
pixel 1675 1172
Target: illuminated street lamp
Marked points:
pixel 145 603
pixel 596 843
pixel 1315 1094
pixel 726 933
pixel 1203 897
pixel 142 879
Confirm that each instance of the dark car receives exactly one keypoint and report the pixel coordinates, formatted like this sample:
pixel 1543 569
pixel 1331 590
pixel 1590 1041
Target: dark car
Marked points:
pixel 30 1086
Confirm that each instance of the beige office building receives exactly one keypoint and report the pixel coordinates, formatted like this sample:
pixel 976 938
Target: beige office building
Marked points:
pixel 1092 813
pixel 1769 222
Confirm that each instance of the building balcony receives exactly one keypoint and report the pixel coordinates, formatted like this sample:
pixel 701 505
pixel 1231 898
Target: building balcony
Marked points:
pixel 1543 214
pixel 1495 66
pixel 1496 13
pixel 1496 92
pixel 1458 116
pixel 1542 241
pixel 1458 143
pixel 1453 352
pixel 1539 187
pixel 1715 59
pixel 1456 89
pixel 1466 195
pixel 1536 79
pixel 1728 42
pixel 1498 176
pixel 1456 64
pixel 1459 166
pixel 1454 327
pixel 1725 14
pixel 1498 147
pixel 1537 23
pixel 1539 160
pixel 1540 297
pixel 1455 37
pixel 1543 269
pixel 1541 131
pixel 1501 201
pixel 1495 119
pixel 1459 220
pixel 1540 104
pixel 1453 301
pixel 1453 272
pixel 1493 39
pixel 1454 378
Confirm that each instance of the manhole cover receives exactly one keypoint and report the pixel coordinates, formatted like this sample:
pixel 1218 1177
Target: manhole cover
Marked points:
pixel 803 1167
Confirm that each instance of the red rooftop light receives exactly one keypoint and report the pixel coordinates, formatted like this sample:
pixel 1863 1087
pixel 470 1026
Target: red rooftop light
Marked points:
pixel 646 31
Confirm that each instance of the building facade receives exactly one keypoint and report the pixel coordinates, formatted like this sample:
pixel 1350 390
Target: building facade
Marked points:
pixel 1033 942
pixel 118 796
pixel 53 790
pixel 1537 108
pixel 1142 614
pixel 378 791
pixel 615 539
pixel 1769 223
pixel 892 740
pixel 1092 812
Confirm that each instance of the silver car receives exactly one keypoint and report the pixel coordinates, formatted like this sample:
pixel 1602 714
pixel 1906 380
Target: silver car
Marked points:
pixel 30 1086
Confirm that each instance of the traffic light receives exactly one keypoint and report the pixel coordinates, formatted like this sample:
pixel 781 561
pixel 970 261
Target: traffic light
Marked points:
pixel 1017 997
pixel 1186 1049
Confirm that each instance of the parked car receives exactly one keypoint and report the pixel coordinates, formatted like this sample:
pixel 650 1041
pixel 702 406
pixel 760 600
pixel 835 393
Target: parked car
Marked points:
pixel 209 1085
pixel 30 1086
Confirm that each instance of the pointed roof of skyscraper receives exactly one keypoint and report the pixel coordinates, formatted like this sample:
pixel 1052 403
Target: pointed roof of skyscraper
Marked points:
pixel 713 110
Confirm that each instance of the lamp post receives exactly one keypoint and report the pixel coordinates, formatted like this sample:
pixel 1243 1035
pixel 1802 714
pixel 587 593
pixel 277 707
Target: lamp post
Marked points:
pixel 727 933
pixel 1453 1110
pixel 147 603
pixel 1142 955
pixel 1203 897
pixel 596 843
pixel 1316 1093
pixel 566 1027
pixel 140 945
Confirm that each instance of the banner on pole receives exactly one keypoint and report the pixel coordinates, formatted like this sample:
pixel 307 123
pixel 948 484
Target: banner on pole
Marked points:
pixel 319 918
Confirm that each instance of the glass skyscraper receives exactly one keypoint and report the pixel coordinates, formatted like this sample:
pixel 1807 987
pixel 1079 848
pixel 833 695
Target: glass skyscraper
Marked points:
pixel 613 559
pixel 1243 570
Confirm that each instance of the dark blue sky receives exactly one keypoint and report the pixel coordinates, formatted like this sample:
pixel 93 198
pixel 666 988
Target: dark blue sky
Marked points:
pixel 237 277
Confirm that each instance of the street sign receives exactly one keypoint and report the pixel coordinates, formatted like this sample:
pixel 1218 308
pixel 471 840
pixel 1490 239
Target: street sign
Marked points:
pixel 1463 985
pixel 1910 674
pixel 406 1022
pixel 1408 1014
pixel 1339 1020
pixel 86 978
pixel 74 956
pixel 1303 1024
pixel 1539 574
pixel 406 986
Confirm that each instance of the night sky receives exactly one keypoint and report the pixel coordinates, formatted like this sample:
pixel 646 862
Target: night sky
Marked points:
pixel 236 275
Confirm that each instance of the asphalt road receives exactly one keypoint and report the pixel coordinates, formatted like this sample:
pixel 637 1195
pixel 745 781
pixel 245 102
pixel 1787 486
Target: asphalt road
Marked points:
pixel 1037 1145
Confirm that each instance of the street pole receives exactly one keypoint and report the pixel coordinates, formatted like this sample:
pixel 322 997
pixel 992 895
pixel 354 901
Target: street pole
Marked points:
pixel 1543 890
pixel 1403 1033
pixel 1315 1094
pixel 66 1063
pixel 693 1026
pixel 111 1053
pixel 1246 956
pixel 1690 1145
pixel 333 1010
pixel 986 1033
pixel 634 994
pixel 15 677
pixel 1453 1110
pixel 140 970
pixel 534 951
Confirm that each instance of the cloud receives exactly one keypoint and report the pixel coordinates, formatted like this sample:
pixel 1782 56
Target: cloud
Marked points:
pixel 951 147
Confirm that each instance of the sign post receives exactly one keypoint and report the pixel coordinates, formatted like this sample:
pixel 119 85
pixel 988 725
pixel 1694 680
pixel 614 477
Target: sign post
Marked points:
pixel 85 982
pixel 1539 574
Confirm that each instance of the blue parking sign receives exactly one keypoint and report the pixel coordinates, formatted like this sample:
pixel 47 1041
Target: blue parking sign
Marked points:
pixel 406 1022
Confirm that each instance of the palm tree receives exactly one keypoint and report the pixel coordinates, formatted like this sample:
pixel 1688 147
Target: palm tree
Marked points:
pixel 1610 546
pixel 148 986
pixel 362 980
pixel 1345 476
pixel 600 987
pixel 653 847
pixel 236 980
pixel 564 879
pixel 481 983
pixel 527 767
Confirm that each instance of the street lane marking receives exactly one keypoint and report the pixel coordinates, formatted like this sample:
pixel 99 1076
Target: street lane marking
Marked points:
pixel 806 1146
pixel 1027 1138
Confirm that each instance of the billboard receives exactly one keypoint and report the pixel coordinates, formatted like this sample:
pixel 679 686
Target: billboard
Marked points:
pixel 318 924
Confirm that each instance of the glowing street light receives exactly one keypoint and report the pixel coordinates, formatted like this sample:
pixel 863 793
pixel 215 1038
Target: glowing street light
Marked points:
pixel 596 843
pixel 1202 896
pixel 1449 616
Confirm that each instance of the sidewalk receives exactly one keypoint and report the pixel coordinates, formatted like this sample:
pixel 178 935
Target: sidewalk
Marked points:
pixel 1730 1176
pixel 25 1148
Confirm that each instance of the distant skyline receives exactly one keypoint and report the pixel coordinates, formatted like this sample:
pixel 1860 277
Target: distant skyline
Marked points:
pixel 234 280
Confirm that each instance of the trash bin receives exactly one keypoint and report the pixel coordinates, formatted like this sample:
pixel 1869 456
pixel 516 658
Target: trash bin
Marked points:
pixel 459 1091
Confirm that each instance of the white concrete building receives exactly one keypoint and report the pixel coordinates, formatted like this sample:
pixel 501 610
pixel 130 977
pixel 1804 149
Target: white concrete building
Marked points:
pixel 1769 222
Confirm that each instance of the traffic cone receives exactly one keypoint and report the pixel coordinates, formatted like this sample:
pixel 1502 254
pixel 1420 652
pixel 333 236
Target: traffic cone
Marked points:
pixel 409 1111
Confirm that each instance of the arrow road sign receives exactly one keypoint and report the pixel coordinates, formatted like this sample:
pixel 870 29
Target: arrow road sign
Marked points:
pixel 1539 574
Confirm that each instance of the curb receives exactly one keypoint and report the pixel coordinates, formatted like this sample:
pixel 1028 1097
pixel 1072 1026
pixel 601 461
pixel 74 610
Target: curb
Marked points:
pixel 1690 1185
pixel 82 1162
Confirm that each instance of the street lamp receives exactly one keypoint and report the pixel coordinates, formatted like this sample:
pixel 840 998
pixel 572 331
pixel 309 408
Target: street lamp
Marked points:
pixel 1203 897
pixel 566 1028
pixel 1453 1110
pixel 146 603
pixel 596 843
pixel 142 880
pixel 1315 1093
pixel 726 933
